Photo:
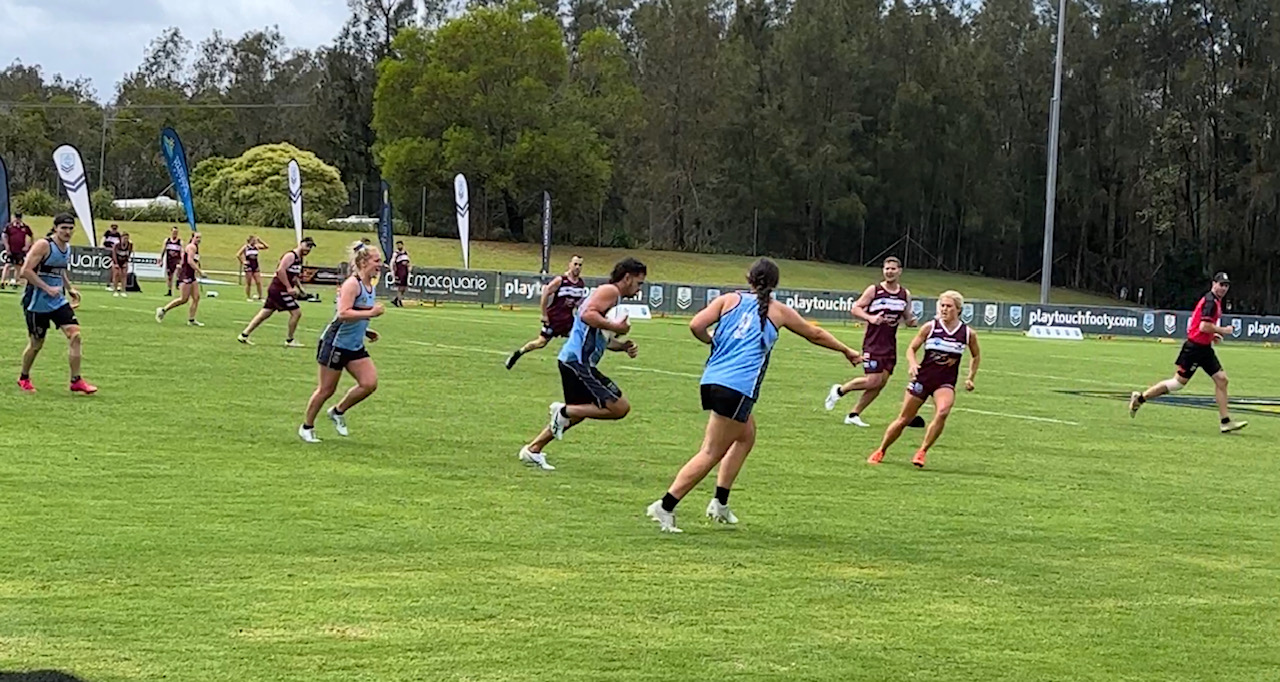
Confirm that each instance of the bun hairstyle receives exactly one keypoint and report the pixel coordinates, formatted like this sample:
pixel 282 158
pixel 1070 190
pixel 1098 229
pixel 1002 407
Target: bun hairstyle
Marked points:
pixel 763 278
pixel 360 254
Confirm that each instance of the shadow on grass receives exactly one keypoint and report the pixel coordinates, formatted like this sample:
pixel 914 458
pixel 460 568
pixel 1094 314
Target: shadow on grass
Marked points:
pixel 39 676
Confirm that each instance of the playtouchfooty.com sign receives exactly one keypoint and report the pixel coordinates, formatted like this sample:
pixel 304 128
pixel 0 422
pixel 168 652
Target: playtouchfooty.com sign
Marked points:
pixel 1087 320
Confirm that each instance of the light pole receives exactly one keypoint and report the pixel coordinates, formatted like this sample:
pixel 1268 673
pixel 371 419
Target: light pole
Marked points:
pixel 1051 183
pixel 102 154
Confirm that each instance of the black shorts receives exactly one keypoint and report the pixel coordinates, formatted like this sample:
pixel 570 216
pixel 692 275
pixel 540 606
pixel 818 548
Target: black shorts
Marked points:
pixel 587 386
pixel 1194 356
pixel 338 358
pixel 38 323
pixel 727 402
pixel 15 257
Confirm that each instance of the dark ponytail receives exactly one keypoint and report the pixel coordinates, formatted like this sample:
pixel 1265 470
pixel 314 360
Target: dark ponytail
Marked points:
pixel 763 278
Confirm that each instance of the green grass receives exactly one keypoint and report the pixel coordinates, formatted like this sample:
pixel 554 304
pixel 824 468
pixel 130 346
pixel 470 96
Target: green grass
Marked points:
pixel 173 526
pixel 222 242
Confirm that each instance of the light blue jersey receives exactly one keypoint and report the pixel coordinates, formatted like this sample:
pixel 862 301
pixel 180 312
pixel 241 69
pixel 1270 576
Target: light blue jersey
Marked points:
pixel 586 344
pixel 350 335
pixel 740 348
pixel 50 272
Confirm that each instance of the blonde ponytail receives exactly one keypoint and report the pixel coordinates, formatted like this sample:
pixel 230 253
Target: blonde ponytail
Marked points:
pixel 360 253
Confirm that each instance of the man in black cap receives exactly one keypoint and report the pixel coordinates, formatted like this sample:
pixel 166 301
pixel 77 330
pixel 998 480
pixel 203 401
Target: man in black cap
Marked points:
pixel 283 294
pixel 1197 352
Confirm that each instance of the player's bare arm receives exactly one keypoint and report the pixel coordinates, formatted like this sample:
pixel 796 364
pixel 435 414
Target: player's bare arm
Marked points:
pixel 975 359
pixel 282 270
pixel 701 323
pixel 347 300
pixel 39 251
pixel 864 301
pixel 602 299
pixel 619 346
pixel 792 321
pixel 909 312
pixel 548 293
pixel 917 342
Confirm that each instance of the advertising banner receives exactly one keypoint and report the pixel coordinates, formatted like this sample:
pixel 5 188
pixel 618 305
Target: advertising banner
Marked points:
pixel 438 284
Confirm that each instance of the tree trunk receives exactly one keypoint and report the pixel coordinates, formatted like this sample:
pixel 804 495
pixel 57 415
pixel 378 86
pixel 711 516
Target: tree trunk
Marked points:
pixel 515 221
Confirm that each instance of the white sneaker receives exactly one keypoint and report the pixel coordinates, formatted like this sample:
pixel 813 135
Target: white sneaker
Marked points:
pixel 856 421
pixel 307 435
pixel 666 520
pixel 115 294
pixel 292 343
pixel 833 397
pixel 159 314
pixel 1134 404
pixel 244 339
pixel 559 422
pixel 124 294
pixel 1233 426
pixel 194 323
pixel 110 289
pixel 535 459
pixel 720 513
pixel 339 421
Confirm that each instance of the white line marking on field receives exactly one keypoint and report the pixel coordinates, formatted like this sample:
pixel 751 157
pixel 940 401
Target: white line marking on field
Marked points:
pixel 658 371
pixel 1050 377
pixel 1026 417
pixel 468 349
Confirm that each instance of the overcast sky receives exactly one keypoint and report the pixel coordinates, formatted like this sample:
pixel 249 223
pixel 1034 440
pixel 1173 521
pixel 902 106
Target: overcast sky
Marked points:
pixel 105 39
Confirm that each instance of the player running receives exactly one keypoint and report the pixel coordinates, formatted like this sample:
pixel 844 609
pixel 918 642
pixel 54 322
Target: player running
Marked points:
pixel 746 328
pixel 248 257
pixel 1197 352
pixel 14 241
pixel 560 298
pixel 342 344
pixel 45 301
pixel 283 293
pixel 589 394
pixel 944 339
pixel 172 254
pixel 882 307
pixel 400 271
pixel 189 274
pixel 121 254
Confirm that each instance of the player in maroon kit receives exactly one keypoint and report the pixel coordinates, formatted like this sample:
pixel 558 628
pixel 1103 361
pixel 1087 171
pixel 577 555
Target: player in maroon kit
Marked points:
pixel 121 254
pixel 15 240
pixel 882 307
pixel 944 339
pixel 400 271
pixel 172 254
pixel 248 257
pixel 560 300
pixel 189 274
pixel 282 293
pixel 1197 352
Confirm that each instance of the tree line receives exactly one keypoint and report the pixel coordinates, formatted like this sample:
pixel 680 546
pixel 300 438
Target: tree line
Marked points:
pixel 824 129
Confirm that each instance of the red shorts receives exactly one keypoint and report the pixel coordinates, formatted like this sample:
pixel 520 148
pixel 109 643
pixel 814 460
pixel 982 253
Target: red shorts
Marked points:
pixel 875 364
pixel 279 299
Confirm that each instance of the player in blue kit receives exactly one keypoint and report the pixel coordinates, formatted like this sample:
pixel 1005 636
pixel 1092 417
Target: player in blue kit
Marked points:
pixel 45 302
pixel 746 328
pixel 342 344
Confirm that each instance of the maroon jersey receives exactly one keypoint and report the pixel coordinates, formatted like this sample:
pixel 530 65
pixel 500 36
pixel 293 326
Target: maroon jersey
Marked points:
pixel 1209 309
pixel 294 272
pixel 172 254
pixel 400 265
pixel 122 253
pixel 881 340
pixel 565 302
pixel 110 239
pixel 187 273
pixel 18 234
pixel 251 258
pixel 940 367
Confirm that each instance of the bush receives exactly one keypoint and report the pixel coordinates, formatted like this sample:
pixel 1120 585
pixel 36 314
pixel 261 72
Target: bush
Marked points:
pixel 257 183
pixel 36 201
pixel 161 214
pixel 100 204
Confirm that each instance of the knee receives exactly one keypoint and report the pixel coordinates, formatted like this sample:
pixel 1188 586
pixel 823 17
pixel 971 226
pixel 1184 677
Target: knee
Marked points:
pixel 1221 380
pixel 369 386
pixel 620 408
pixel 875 382
pixel 941 412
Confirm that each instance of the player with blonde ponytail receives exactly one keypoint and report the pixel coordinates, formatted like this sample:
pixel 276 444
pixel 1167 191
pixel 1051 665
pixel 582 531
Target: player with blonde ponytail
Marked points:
pixel 342 344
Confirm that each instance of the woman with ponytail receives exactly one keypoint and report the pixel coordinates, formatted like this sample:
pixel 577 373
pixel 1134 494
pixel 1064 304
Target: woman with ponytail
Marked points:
pixel 746 328
pixel 342 344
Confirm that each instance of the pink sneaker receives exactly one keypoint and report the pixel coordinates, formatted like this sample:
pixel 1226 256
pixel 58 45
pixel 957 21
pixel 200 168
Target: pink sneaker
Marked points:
pixel 82 386
pixel 25 385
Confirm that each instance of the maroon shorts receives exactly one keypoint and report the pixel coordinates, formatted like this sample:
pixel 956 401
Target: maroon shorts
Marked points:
pixel 251 267
pixel 924 387
pixel 170 268
pixel 873 363
pixel 402 277
pixel 279 299
pixel 556 329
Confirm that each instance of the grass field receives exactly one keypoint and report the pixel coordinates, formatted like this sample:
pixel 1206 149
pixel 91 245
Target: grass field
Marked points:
pixel 222 242
pixel 173 526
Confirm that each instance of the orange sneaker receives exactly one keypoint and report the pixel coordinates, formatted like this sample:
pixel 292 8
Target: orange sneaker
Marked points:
pixel 875 457
pixel 25 385
pixel 82 386
pixel 918 460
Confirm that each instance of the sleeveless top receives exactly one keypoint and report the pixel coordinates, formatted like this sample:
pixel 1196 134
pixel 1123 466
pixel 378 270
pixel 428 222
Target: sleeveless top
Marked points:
pixel 188 269
pixel 740 348
pixel 350 335
pixel 585 345
pixel 942 353
pixel 173 250
pixel 400 259
pixel 109 240
pixel 50 272
pixel 567 299
pixel 882 339
pixel 251 257
pixel 294 272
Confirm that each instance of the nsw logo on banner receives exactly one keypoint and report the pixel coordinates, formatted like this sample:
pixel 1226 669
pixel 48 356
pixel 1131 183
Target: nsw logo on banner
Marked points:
pixel 1148 322
pixel 712 294
pixel 1237 327
pixel 966 313
pixel 684 298
pixel 1015 315
pixel 990 314
pixel 655 295
pixel 1170 324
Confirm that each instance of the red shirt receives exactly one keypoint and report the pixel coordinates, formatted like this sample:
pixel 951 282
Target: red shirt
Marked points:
pixel 18 234
pixel 1209 309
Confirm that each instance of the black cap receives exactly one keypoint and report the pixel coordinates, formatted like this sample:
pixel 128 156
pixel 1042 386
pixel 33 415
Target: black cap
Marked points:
pixel 308 241
pixel 64 219
pixel 1221 278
